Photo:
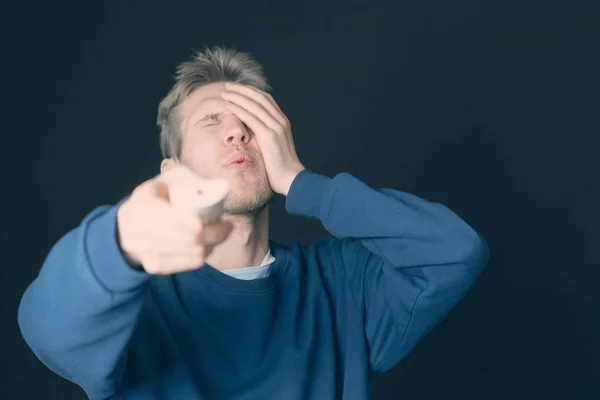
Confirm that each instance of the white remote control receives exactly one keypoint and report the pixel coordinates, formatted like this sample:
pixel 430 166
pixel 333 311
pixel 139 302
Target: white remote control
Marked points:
pixel 205 198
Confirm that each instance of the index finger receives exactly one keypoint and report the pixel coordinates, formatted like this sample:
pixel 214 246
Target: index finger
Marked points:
pixel 179 173
pixel 262 98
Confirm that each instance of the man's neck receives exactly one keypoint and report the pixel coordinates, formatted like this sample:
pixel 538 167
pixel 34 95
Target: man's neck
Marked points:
pixel 247 244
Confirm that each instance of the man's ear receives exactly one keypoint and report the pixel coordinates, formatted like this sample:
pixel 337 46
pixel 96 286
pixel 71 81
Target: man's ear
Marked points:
pixel 167 164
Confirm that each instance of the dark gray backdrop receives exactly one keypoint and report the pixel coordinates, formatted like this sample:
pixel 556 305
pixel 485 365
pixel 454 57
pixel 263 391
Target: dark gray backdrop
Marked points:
pixel 488 106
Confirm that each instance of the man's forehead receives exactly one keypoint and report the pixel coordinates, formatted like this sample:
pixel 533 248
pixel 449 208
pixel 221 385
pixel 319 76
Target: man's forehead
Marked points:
pixel 201 101
pixel 206 106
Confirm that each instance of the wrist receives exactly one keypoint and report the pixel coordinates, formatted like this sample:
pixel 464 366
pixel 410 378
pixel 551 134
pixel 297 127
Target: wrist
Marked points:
pixel 105 258
pixel 129 258
pixel 290 179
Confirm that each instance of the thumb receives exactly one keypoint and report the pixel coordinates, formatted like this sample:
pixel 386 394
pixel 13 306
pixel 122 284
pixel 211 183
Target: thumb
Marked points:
pixel 178 173
pixel 160 189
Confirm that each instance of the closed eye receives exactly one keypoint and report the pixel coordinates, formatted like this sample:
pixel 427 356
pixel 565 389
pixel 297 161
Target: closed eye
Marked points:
pixel 215 118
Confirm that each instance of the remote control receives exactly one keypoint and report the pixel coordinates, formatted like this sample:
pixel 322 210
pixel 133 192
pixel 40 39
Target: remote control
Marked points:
pixel 205 198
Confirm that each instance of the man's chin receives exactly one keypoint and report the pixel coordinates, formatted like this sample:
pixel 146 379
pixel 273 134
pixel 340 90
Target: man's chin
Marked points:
pixel 236 205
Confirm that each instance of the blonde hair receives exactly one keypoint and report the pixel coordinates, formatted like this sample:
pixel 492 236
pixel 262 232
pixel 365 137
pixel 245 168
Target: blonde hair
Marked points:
pixel 212 65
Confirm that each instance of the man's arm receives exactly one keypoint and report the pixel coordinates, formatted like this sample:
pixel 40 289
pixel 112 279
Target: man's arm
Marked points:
pixel 407 261
pixel 79 313
pixel 413 259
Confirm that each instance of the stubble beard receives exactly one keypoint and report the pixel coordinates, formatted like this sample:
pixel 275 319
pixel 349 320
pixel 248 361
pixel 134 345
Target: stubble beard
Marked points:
pixel 251 200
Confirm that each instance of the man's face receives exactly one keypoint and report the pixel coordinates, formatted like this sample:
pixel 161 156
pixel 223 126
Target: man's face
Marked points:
pixel 212 137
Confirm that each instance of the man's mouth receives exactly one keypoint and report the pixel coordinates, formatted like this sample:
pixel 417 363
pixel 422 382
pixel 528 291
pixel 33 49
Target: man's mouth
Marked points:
pixel 239 161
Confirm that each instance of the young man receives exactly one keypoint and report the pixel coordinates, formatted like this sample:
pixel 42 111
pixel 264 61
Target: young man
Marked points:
pixel 143 301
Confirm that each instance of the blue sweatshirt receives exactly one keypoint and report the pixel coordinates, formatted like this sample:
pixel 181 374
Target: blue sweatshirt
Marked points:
pixel 326 318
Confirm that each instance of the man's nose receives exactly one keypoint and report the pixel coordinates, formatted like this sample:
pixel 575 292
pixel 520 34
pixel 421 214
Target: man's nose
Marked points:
pixel 237 133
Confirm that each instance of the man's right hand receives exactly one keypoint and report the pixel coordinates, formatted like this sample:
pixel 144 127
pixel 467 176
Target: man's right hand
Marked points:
pixel 161 237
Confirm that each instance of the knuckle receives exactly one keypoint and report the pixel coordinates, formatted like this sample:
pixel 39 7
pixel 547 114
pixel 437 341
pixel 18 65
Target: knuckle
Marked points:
pixel 196 225
pixel 272 134
pixel 190 239
pixel 199 253
pixel 192 253
pixel 198 259
pixel 197 232
pixel 151 265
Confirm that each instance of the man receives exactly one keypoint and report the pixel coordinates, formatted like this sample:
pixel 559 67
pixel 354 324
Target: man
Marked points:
pixel 143 301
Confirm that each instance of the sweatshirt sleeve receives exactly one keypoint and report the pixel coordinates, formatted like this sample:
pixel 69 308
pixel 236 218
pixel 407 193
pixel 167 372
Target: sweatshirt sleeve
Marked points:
pixel 407 261
pixel 78 314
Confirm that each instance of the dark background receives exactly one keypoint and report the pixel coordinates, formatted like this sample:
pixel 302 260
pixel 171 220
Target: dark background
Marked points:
pixel 490 107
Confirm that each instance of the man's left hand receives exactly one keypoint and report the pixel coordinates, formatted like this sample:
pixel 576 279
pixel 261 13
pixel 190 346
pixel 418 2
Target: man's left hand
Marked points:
pixel 272 130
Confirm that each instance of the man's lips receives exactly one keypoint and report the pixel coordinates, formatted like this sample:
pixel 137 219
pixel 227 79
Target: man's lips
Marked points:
pixel 239 160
